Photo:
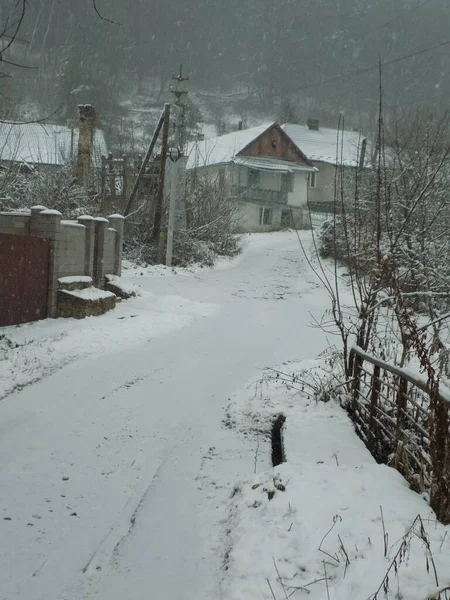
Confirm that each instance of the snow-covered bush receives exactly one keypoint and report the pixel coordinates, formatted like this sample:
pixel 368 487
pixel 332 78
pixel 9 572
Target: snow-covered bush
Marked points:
pixel 211 223
pixel 22 187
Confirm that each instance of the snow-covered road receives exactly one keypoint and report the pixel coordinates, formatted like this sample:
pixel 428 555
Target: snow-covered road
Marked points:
pixel 112 466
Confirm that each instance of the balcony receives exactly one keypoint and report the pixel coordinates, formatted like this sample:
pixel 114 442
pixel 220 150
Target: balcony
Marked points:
pixel 252 194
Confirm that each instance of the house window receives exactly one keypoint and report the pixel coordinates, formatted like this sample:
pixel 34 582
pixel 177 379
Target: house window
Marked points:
pixel 254 178
pixel 312 180
pixel 286 218
pixel 265 216
pixel 287 182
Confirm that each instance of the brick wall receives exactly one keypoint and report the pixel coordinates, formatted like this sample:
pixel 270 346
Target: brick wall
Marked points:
pixel 89 246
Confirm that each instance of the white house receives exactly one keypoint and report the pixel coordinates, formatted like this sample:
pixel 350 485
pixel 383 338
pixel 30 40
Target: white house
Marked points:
pixel 265 170
pixel 327 149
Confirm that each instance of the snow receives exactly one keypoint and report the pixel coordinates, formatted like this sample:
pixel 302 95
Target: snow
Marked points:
pixel 222 149
pixel 270 164
pixel 329 482
pixel 75 279
pixel 44 143
pixel 68 223
pixel 51 211
pixel 124 284
pixel 132 456
pixel 116 216
pixel 413 375
pixel 90 293
pixel 321 145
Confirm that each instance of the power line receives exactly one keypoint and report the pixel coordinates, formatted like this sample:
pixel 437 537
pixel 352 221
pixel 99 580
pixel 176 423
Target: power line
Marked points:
pixel 369 69
pixel 404 15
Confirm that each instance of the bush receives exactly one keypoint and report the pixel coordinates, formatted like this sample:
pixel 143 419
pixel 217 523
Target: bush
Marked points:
pixel 55 189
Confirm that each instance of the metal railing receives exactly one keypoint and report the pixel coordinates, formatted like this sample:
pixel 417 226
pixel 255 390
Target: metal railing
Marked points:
pixel 253 194
pixel 404 424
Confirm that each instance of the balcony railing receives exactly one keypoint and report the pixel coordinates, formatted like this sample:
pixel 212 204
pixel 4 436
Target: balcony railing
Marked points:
pixel 251 194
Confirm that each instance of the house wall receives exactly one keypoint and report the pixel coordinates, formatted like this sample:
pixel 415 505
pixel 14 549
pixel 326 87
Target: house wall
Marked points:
pixel 325 180
pixel 275 143
pixel 299 197
pixel 237 176
pixel 89 246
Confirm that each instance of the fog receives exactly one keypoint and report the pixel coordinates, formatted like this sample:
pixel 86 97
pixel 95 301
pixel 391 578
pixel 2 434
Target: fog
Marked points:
pixel 287 59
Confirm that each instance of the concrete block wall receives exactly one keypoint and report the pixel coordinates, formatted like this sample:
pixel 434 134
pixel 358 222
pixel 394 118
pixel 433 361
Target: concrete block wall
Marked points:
pixel 110 248
pixel 72 249
pixel 14 223
pixel 89 246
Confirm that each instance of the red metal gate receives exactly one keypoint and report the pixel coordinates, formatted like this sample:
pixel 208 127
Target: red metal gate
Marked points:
pixel 24 268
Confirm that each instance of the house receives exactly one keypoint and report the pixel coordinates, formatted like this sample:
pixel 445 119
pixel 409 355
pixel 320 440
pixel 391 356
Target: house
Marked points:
pixel 326 149
pixel 45 145
pixel 265 171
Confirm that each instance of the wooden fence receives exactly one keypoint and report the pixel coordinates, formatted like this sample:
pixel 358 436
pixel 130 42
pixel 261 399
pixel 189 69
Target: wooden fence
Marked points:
pixel 404 425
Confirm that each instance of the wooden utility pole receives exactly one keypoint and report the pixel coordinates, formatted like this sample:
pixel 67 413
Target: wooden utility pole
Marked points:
pixel 176 155
pixel 157 235
pixel 145 162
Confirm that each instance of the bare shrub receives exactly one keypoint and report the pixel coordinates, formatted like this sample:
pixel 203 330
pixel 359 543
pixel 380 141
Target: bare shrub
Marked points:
pixel 22 187
pixel 212 217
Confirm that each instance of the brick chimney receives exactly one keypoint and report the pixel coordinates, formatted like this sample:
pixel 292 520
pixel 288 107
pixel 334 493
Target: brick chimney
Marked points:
pixel 86 124
pixel 313 124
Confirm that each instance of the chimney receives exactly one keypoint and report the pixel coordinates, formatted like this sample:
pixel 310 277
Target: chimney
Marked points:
pixel 86 124
pixel 313 124
pixel 240 125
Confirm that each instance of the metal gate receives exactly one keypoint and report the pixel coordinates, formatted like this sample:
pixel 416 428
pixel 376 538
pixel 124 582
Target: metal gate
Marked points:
pixel 24 271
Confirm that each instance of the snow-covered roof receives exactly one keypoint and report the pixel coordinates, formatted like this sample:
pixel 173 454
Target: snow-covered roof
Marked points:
pixel 222 149
pixel 44 144
pixel 270 164
pixel 327 145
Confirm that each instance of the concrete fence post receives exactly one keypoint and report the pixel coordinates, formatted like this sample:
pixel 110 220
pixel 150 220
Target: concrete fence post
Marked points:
pixel 89 243
pixel 101 226
pixel 118 223
pixel 47 224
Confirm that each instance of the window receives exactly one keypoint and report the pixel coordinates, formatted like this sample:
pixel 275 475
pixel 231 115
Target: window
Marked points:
pixel 287 182
pixel 254 178
pixel 265 216
pixel 312 180
pixel 286 218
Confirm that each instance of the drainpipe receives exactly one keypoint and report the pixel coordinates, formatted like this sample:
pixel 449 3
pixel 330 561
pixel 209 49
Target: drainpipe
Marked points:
pixel 86 118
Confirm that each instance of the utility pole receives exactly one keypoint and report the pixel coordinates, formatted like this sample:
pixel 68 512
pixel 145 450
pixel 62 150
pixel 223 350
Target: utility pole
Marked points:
pixel 176 155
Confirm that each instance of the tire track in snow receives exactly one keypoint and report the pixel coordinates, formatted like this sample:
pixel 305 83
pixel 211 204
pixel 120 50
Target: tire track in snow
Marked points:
pixel 121 529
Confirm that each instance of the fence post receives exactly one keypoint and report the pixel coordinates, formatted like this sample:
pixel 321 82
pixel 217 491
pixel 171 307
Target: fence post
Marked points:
pixel 440 456
pixel 89 243
pixel 357 361
pixel 47 224
pixel 372 437
pixel 101 226
pixel 401 405
pixel 118 223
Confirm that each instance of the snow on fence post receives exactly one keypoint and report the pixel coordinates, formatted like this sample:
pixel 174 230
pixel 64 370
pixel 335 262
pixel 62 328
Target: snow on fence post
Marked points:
pixel 47 224
pixel 118 222
pixel 89 243
pixel 101 226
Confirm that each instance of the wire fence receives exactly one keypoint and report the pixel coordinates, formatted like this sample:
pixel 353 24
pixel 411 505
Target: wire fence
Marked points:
pixel 405 425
